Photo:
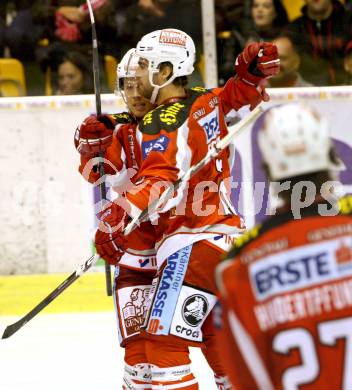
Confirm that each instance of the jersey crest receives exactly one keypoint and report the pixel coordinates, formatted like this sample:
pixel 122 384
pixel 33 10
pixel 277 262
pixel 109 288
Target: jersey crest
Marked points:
pixel 171 116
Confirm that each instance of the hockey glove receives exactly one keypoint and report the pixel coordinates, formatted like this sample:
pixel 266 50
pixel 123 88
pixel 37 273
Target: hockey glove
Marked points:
pixel 109 238
pixel 257 62
pixel 94 135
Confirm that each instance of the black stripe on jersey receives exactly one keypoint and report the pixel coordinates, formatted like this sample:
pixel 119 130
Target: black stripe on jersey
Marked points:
pixel 123 118
pixel 170 116
pixel 345 208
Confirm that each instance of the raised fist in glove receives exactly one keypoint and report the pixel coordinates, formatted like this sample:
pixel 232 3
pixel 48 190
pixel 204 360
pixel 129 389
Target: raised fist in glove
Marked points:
pixel 109 238
pixel 257 62
pixel 94 135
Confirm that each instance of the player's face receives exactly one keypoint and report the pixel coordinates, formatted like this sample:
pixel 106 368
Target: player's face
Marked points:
pixel 70 79
pixel 137 104
pixel 142 73
pixel 263 13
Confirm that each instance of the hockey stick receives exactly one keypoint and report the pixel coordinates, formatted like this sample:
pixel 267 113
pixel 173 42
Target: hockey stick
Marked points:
pixel 97 90
pixel 236 130
pixel 221 145
pixel 13 328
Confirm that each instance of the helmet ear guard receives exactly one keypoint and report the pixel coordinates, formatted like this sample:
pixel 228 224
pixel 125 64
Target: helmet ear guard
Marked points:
pixel 294 140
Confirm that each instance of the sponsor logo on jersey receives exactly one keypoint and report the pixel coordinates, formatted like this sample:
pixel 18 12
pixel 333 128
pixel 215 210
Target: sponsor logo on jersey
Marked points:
pixel 147 261
pixel 213 102
pixel 188 332
pixel 167 292
pixel 133 303
pixel 344 255
pixel 301 267
pixel 194 309
pixel 210 124
pixel 169 115
pixel 157 145
pixel 172 37
pixel 197 114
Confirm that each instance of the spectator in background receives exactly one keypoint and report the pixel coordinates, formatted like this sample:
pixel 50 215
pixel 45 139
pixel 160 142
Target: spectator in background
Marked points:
pixel 289 66
pixel 68 29
pixel 22 33
pixel 2 36
pixel 229 18
pixel 320 35
pixel 148 15
pixel 74 75
pixel 348 64
pixel 268 18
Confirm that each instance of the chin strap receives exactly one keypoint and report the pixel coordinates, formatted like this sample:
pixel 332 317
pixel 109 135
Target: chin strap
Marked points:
pixel 156 87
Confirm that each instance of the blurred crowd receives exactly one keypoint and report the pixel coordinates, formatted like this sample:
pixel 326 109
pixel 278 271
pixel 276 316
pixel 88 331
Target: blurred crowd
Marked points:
pixel 52 38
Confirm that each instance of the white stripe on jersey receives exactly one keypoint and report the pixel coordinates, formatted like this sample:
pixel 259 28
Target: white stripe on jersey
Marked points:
pixel 250 353
pixel 183 164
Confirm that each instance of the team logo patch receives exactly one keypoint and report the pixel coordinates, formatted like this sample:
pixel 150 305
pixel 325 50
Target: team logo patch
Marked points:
pixel 157 145
pixel 133 306
pixel 171 37
pixel 194 309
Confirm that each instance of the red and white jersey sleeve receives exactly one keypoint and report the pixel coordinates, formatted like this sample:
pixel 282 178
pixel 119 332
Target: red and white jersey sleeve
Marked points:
pixel 286 294
pixel 123 153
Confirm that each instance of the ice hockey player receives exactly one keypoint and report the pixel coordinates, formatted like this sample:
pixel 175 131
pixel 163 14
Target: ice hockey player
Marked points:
pixel 194 227
pixel 286 314
pixel 115 136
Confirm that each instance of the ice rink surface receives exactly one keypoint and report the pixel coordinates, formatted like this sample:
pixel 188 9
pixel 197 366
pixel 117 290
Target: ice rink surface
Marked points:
pixel 76 351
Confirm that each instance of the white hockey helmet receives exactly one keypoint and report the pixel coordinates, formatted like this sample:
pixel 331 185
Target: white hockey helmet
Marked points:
pixel 126 68
pixel 167 45
pixel 294 140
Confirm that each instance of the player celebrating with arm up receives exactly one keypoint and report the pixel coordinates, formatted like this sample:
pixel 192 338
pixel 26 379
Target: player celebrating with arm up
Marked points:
pixel 286 320
pixel 194 226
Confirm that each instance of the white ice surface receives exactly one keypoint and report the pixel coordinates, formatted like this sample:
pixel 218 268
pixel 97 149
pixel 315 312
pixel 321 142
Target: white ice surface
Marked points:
pixel 76 351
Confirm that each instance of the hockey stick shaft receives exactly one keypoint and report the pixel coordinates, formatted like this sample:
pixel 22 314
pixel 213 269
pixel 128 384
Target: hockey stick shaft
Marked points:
pixel 97 92
pixel 13 328
pixel 235 131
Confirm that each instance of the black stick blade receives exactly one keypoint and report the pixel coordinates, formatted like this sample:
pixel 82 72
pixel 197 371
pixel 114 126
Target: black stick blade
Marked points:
pixel 13 328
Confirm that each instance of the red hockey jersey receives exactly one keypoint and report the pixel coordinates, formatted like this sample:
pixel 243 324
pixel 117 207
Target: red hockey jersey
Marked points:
pixel 175 136
pixel 286 316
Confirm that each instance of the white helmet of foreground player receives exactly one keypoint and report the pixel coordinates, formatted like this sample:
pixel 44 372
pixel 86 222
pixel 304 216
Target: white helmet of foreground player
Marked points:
pixel 126 68
pixel 294 140
pixel 167 45
pixel 128 86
